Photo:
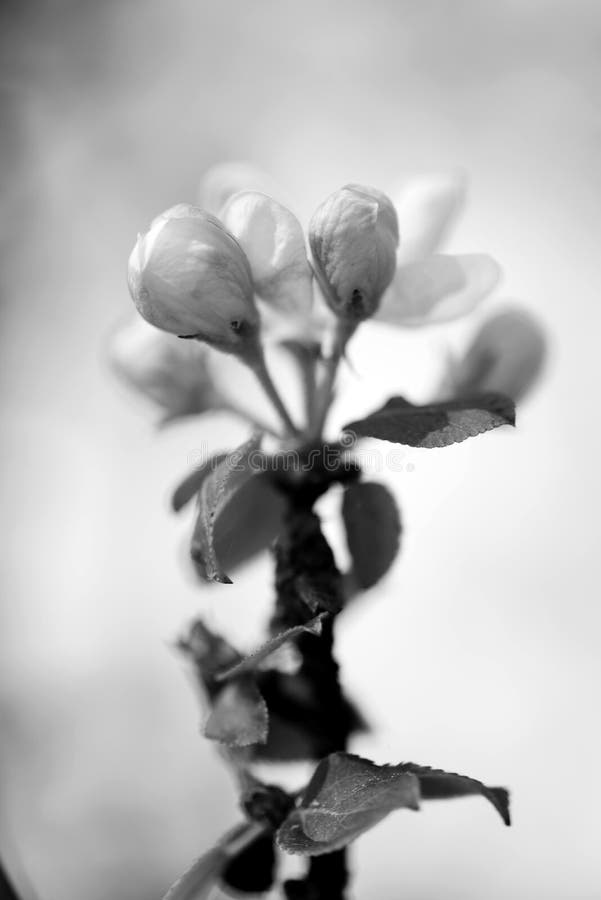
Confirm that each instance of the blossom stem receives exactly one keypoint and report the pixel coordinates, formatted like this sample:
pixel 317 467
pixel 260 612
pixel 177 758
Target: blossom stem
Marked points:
pixel 258 366
pixel 344 331
pixel 242 413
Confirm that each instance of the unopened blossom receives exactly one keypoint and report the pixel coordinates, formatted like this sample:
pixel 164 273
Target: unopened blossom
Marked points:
pixel 189 276
pixel 430 287
pixel 273 240
pixel 353 237
pixel 506 355
pixel 173 374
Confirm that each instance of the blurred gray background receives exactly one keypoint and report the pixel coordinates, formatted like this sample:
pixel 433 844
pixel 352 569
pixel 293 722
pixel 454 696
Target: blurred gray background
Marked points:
pixel 480 653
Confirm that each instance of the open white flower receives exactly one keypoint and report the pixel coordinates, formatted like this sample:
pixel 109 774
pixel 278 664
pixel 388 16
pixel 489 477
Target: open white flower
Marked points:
pixel 429 287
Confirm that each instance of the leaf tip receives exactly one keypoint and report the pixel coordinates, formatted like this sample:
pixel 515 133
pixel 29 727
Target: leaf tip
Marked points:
pixel 501 796
pixel 221 578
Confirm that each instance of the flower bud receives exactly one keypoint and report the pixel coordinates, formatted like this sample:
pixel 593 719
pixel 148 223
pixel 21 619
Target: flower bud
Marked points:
pixel 354 237
pixel 506 355
pixel 189 276
pixel 272 238
pixel 173 374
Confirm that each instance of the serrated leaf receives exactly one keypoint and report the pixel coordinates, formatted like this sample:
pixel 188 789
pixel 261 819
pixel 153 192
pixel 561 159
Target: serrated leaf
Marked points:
pixel 255 659
pixel 346 796
pixel 218 490
pixel 373 529
pixel 435 424
pixel 209 652
pixel 436 784
pixel 249 524
pixel 239 715
pixel 192 483
pixel 199 881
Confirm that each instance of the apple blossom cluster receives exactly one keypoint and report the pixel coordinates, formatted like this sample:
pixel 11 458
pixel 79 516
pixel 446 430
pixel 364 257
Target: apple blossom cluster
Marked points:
pixel 235 277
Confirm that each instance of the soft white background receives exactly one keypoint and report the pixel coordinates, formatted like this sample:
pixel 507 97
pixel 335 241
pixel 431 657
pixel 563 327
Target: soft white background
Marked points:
pixel 480 653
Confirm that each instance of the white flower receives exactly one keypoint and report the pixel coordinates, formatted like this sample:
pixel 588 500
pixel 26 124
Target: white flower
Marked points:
pixel 429 287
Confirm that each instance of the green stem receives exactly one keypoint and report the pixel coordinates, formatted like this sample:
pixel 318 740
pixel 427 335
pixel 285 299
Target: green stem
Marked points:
pixel 344 331
pixel 255 421
pixel 258 366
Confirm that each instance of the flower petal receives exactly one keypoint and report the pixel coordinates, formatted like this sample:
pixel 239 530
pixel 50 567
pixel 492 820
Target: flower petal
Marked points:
pixel 438 289
pixel 225 179
pixel 272 238
pixel 170 372
pixel 427 208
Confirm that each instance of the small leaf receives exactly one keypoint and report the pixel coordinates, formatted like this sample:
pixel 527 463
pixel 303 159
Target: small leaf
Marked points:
pixel 209 652
pixel 239 715
pixel 249 524
pixel 346 796
pixel 435 784
pixel 435 424
pixel 199 881
pixel 373 528
pixel 192 483
pixel 255 659
pixel 217 491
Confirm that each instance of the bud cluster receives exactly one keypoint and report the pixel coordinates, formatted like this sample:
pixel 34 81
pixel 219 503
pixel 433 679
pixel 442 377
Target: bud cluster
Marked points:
pixel 248 277
pixel 197 276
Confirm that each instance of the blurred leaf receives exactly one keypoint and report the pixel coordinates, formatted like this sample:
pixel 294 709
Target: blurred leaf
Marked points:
pixel 209 652
pixel 301 725
pixel 198 882
pixel 217 491
pixel 435 424
pixel 254 660
pixel 7 891
pixel 239 715
pixel 346 796
pixel 373 528
pixel 252 869
pixel 192 483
